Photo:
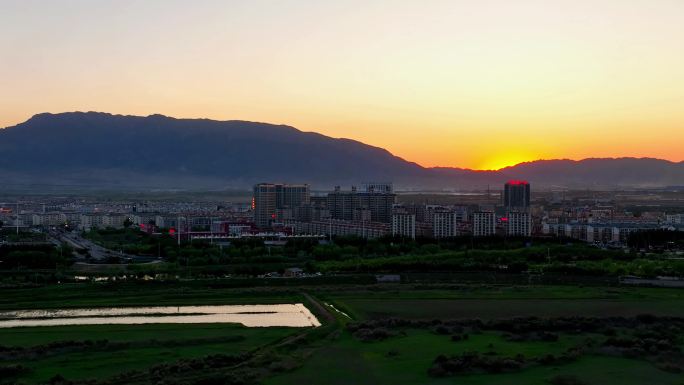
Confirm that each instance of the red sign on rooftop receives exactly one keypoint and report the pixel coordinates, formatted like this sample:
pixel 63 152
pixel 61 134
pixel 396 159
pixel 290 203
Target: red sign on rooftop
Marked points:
pixel 516 182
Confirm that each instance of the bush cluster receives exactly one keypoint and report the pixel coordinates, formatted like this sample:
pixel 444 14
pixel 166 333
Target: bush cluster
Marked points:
pixel 444 366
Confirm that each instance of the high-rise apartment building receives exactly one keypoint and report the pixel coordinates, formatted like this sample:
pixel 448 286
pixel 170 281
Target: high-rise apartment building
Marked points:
pixel 516 195
pixel 270 199
pixel 350 205
pixel 444 224
pixel 518 224
pixel 404 225
pixel 484 224
pixel 291 195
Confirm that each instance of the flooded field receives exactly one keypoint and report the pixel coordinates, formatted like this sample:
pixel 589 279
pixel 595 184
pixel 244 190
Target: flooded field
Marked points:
pixel 289 315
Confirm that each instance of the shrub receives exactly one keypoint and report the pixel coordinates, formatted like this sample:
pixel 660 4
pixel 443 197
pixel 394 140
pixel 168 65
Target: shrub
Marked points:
pixel 444 366
pixel 369 335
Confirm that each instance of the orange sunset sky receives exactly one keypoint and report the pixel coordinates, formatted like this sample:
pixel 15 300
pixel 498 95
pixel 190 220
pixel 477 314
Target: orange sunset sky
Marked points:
pixel 478 84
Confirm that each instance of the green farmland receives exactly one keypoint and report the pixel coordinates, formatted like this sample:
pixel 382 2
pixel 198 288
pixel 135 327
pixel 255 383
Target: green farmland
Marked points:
pixel 395 334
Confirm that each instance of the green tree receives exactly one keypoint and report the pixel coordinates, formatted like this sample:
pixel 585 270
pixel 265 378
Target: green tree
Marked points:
pixel 127 223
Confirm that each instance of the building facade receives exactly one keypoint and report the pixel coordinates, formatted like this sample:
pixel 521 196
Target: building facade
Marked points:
pixel 271 199
pixel 484 224
pixel 334 227
pixel 444 224
pixel 518 224
pixel 349 205
pixel 404 225
pixel 516 195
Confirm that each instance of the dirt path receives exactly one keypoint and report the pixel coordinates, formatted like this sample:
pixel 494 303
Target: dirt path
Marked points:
pixel 322 310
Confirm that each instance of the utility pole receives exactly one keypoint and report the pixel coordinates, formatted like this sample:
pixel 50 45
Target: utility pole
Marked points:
pixel 17 222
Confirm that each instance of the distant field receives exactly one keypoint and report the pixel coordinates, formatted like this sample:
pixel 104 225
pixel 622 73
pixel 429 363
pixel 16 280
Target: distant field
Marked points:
pixel 508 301
pixel 104 295
pixel 503 308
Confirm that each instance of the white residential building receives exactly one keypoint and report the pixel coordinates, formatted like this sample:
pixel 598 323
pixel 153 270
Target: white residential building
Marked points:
pixel 47 219
pixel 404 225
pixel 484 224
pixel 90 221
pixel 115 221
pixel 518 224
pixel 674 219
pixel 444 224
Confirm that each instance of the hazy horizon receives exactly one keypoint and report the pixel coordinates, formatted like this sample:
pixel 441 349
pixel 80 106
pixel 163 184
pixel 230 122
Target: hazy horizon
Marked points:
pixel 409 160
pixel 442 83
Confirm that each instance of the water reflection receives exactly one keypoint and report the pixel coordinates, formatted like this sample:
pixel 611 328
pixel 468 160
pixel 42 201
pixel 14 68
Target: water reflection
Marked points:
pixel 291 315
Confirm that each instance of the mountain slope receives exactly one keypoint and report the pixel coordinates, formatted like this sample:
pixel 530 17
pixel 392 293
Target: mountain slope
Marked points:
pixel 593 171
pixel 83 146
pixel 104 150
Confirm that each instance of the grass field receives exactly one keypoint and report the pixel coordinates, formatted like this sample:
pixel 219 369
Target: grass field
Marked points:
pixel 331 354
pixel 147 345
pixel 349 361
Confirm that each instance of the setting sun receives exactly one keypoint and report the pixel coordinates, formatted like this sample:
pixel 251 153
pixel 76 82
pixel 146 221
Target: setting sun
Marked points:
pixel 503 160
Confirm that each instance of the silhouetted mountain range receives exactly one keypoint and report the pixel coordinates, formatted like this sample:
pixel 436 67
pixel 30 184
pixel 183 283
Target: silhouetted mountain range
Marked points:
pixel 114 151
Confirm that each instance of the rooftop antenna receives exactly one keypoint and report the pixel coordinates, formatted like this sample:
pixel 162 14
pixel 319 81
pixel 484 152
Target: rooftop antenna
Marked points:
pixel 17 221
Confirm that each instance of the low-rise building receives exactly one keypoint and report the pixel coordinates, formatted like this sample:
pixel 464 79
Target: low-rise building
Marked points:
pixel 91 221
pixel 334 227
pixel 47 219
pixel 115 221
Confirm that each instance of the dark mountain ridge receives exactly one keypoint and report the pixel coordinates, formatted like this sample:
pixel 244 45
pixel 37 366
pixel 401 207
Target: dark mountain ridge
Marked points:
pixel 134 152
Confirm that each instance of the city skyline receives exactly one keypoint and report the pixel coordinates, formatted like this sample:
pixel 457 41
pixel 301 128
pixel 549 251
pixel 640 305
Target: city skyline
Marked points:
pixel 458 84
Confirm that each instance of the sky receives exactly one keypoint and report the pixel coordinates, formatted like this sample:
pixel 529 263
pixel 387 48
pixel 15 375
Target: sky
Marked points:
pixel 461 83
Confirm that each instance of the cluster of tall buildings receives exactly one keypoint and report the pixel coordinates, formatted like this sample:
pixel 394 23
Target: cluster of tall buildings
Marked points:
pixel 369 211
pixel 354 211
pixel 373 211
pixel 514 221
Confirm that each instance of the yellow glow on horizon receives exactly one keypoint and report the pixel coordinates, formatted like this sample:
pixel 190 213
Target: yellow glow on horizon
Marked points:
pixel 500 161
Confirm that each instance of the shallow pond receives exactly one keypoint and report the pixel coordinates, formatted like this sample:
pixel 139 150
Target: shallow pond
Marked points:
pixel 290 315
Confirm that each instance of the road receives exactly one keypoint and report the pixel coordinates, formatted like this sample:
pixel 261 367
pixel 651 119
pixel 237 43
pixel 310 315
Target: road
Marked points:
pixel 97 252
